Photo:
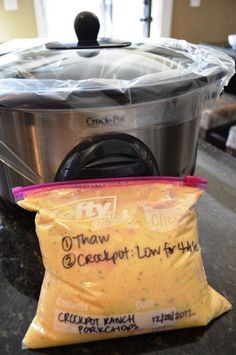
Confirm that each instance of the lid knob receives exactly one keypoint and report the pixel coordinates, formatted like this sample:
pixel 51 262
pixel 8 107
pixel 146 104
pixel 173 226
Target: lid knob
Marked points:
pixel 86 27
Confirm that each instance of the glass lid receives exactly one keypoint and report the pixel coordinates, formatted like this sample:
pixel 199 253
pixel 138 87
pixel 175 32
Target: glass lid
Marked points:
pixel 106 72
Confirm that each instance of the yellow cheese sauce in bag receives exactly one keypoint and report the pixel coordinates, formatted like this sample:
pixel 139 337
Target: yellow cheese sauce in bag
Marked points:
pixel 121 257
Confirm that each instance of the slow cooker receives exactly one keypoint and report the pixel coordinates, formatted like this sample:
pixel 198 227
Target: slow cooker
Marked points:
pixel 104 108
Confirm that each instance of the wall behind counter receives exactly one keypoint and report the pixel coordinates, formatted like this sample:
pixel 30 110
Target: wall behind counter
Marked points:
pixel 211 22
pixel 20 23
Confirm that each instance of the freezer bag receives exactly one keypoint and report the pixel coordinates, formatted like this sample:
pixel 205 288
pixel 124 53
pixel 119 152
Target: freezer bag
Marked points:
pixel 121 256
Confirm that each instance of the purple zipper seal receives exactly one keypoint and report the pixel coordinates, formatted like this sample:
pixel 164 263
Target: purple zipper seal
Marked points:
pixel 193 181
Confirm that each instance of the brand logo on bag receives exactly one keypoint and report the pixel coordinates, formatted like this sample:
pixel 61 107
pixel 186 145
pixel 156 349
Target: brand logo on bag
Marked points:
pixel 100 207
pixel 90 208
pixel 167 219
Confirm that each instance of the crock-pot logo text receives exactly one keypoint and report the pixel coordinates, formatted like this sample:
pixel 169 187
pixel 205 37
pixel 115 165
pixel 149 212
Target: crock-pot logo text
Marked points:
pixel 89 209
pixel 114 120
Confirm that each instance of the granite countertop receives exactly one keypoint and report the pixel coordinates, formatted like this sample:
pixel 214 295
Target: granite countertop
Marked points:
pixel 21 273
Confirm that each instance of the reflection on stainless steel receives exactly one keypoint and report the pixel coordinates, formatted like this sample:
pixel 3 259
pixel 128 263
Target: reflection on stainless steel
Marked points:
pixel 35 147
pixel 12 160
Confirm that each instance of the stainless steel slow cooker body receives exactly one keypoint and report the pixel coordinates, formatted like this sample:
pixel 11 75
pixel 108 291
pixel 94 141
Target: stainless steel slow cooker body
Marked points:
pixel 42 139
pixel 99 112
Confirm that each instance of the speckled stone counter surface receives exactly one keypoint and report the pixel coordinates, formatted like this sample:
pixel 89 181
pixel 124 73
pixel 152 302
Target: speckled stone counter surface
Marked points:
pixel 22 272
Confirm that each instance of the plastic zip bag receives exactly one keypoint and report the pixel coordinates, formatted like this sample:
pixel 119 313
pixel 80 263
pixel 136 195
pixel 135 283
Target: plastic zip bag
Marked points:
pixel 121 258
